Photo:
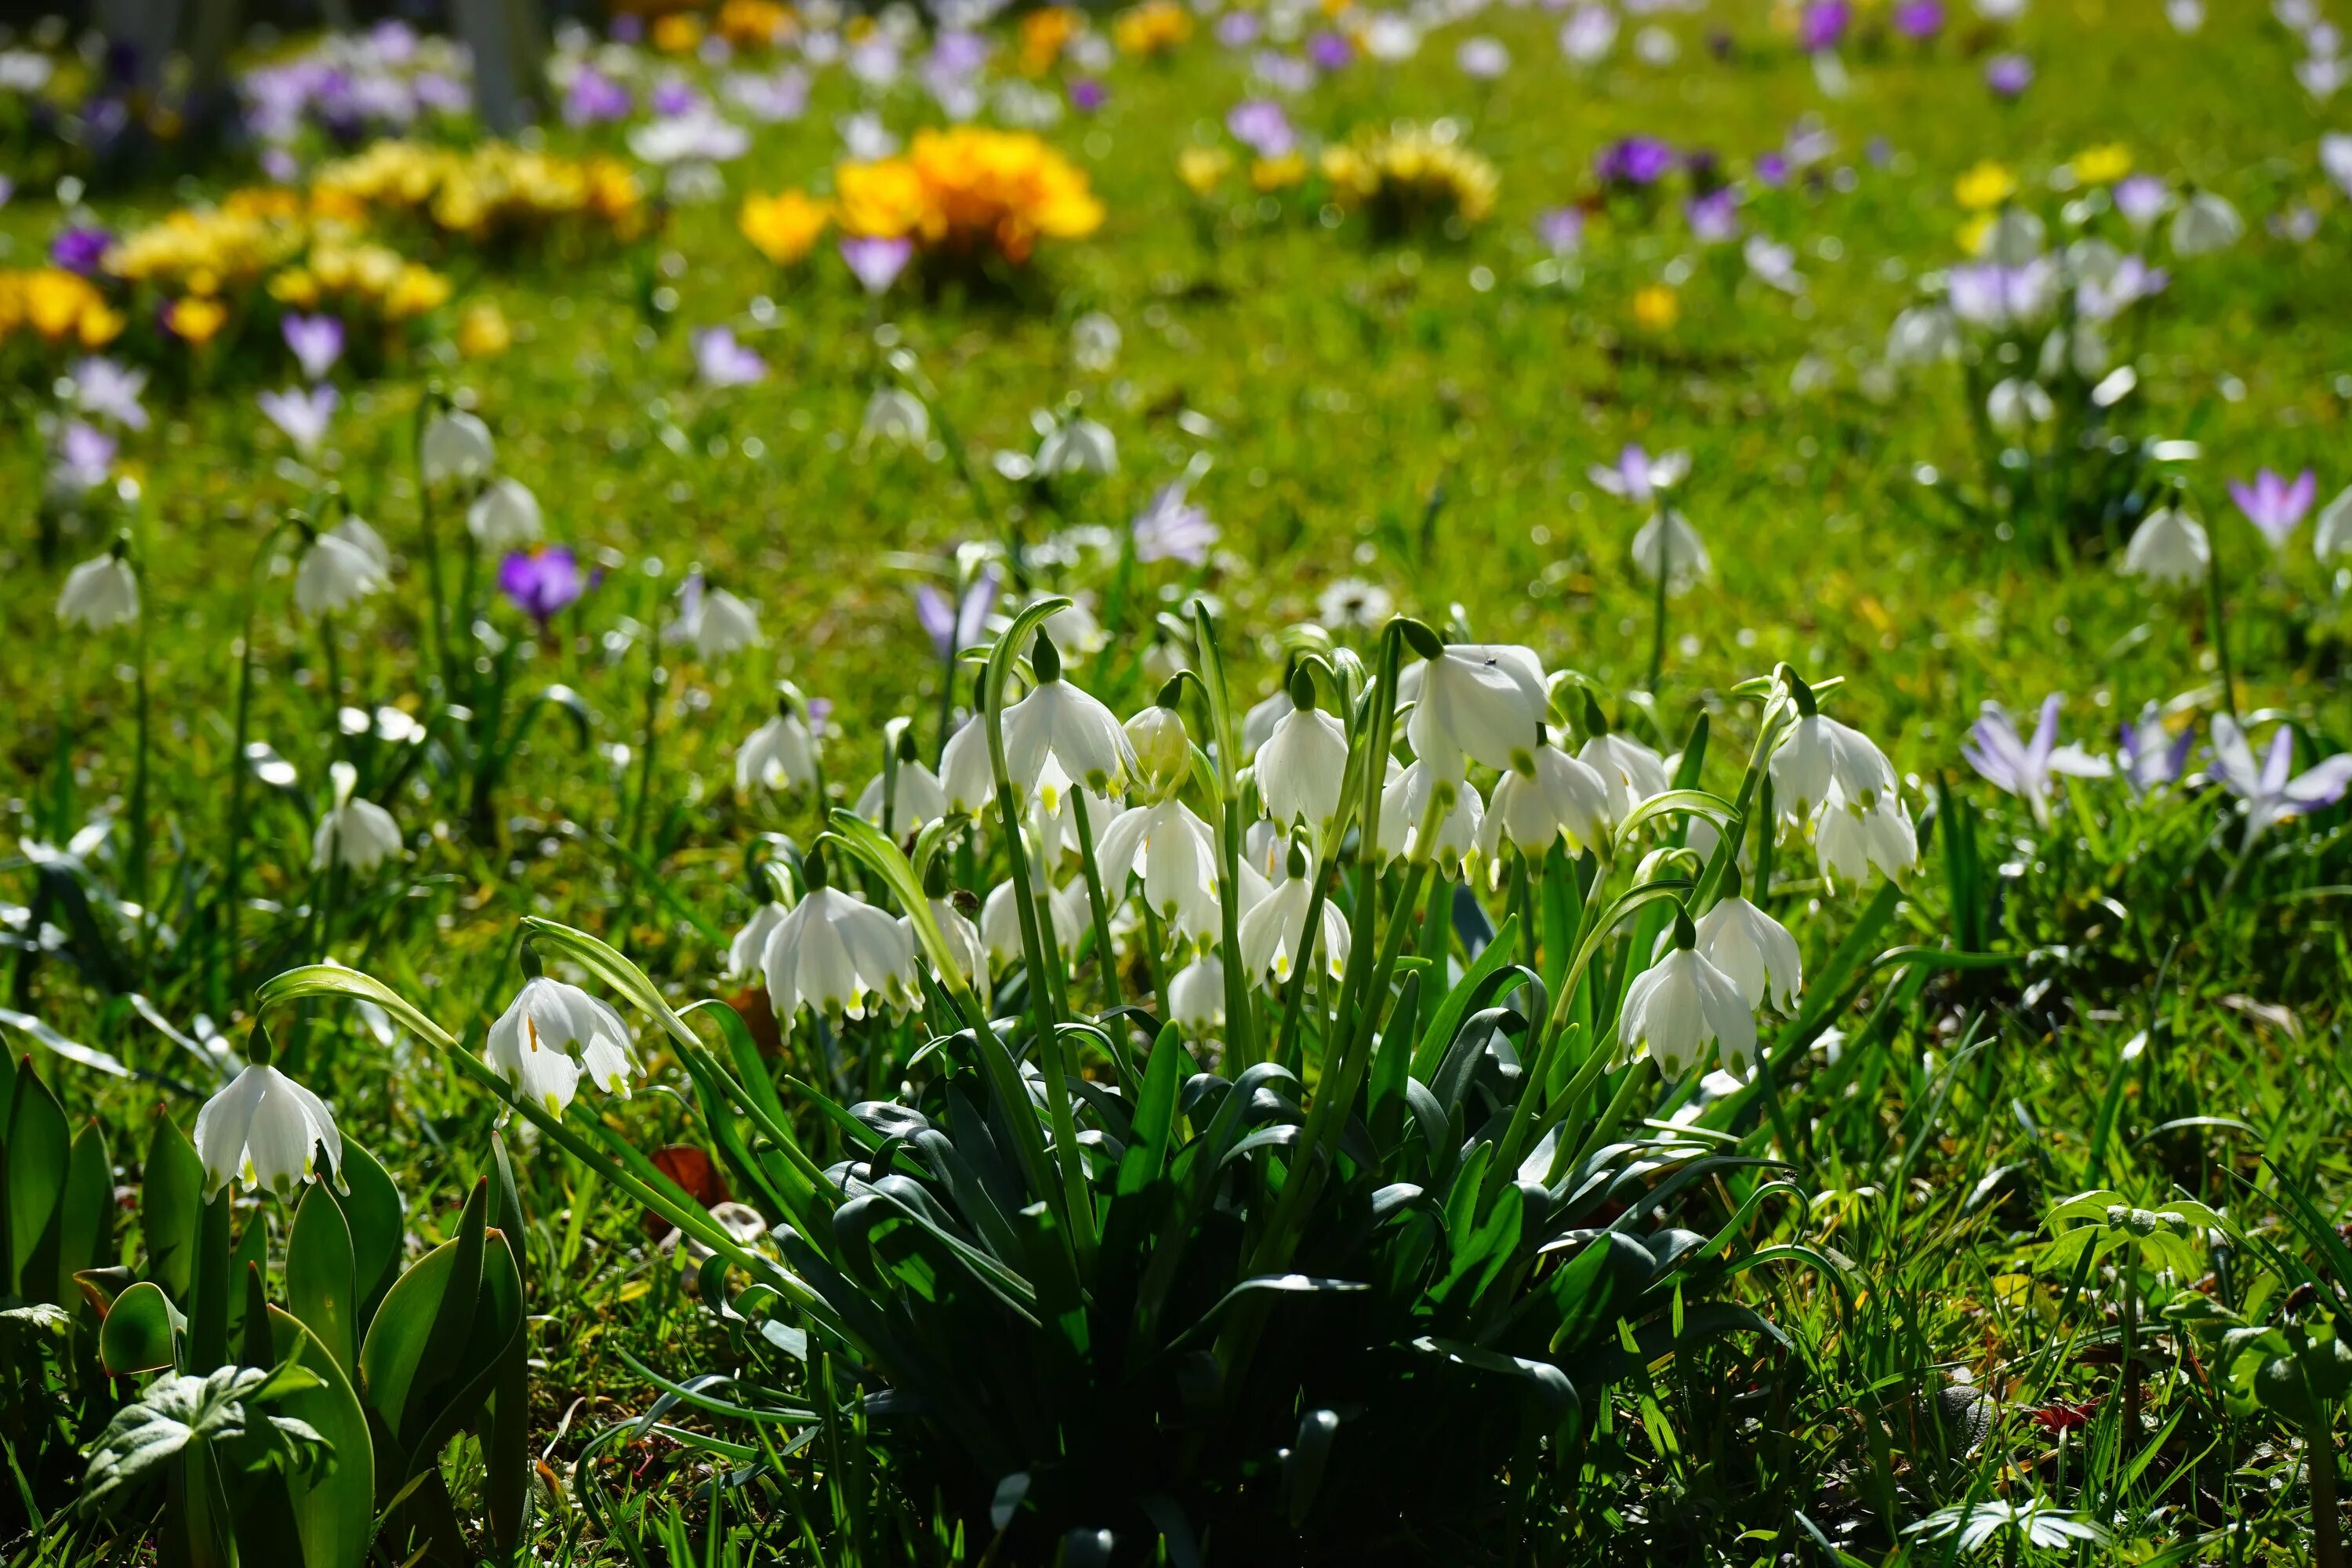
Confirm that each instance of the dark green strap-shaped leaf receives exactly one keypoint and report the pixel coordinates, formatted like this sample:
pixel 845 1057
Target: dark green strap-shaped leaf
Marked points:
pixel 506 1435
pixel 39 1154
pixel 333 1506
pixel 1469 995
pixel 322 1281
pixel 378 1222
pixel 506 1208
pixel 1550 1384
pixel 141 1331
pixel 1154 1121
pixel 1302 1468
pixel 494 1329
pixel 252 1253
pixel 442 1364
pixel 86 1216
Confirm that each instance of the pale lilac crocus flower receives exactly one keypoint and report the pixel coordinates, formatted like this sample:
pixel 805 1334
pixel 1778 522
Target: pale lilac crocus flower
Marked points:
pixel 1715 217
pixel 1261 125
pixel 877 263
pixel 85 455
pixel 1561 229
pixel 2274 505
pixel 721 361
pixel 2273 791
pixel 317 342
pixel 1172 529
pixel 110 389
pixel 2151 759
pixel 954 626
pixel 1637 476
pixel 2141 199
pixel 302 414
pixel 2008 75
pixel 2027 768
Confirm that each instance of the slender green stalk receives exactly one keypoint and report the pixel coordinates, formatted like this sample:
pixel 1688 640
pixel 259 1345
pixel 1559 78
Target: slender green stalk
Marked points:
pixel 1098 906
pixel 1288 1049
pixel 1658 606
pixel 2218 623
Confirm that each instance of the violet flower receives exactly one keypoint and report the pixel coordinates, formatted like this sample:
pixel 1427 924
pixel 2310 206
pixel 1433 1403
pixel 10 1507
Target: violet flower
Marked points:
pixel 876 262
pixel 1638 160
pixel 721 361
pixel 542 581
pixel 1088 96
pixel 81 249
pixel 1330 51
pixel 594 98
pixel 2028 768
pixel 2273 791
pixel 1172 529
pixel 952 627
pixel 302 414
pixel 2008 75
pixel 1637 476
pixel 1237 29
pixel 1822 24
pixel 1920 19
pixel 2141 199
pixel 317 342
pixel 2274 505
pixel 1715 217
pixel 1561 229
pixel 85 455
pixel 110 389
pixel 2151 759
pixel 1262 125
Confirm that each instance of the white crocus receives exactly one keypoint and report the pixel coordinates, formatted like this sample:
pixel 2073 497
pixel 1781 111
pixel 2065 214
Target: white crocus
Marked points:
pixel 915 798
pixel 505 517
pixel 1406 799
pixel 1178 858
pixel 456 447
pixel 1818 754
pixel 750 944
pixel 335 574
pixel 530 1046
pixel 2169 548
pixel 1555 796
pixel 99 594
pixel 355 834
pixel 780 754
pixel 2205 224
pixel 264 1129
pixel 1000 922
pixel 1851 837
pixel 1632 771
pixel 1302 767
pixel 1479 699
pixel 1685 558
pixel 1058 723
pixel 1752 948
pixel 1274 933
pixel 838 955
pixel 1679 1006
pixel 1196 996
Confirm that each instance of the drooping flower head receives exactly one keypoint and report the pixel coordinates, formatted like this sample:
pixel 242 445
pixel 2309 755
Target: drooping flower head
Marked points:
pixel 264 1131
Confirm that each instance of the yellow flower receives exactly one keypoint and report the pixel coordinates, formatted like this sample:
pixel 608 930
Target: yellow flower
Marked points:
pixel 2103 165
pixel 1154 28
pixel 678 33
pixel 197 321
pixel 99 325
pixel 1987 185
pixel 1408 176
pixel 296 285
pixel 1656 308
pixel 968 189
pixel 416 290
pixel 1203 168
pixel 1975 233
pixel 482 331
pixel 1281 173
pixel 56 301
pixel 1044 33
pixel 786 227
pixel 754 24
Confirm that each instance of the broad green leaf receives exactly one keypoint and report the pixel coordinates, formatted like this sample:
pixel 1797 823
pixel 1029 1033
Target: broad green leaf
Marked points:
pixel 140 1332
pixel 177 1411
pixel 322 1285
pixel 171 1208
pixel 86 1226
pixel 378 1222
pixel 334 1510
pixel 394 1353
pixel 40 1151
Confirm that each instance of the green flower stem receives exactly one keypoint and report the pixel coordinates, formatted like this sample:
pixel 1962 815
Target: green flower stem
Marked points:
pixel 1098 907
pixel 1240 1036
pixel 223 970
pixel 141 836
pixel 2218 621
pixel 1658 608
pixel 1288 1050
pixel 435 624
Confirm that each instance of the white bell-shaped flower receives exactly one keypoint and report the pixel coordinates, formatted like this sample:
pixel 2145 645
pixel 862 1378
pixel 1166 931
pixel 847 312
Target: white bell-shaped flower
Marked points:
pixel 1257 724
pixel 715 621
pixel 1631 771
pixel 2205 224
pixel 1751 947
pixel 1000 922
pixel 962 939
pixel 265 1129
pixel 1851 837
pixel 1077 447
pixel 1302 767
pixel 1274 934
pixel 1818 754
pixel 781 753
pixel 914 797
pixel 456 447
pixel 750 944
pixel 1178 857
pixel 505 517
pixel 1555 796
pixel 1052 820
pixel 2170 548
pixel 333 574
pixel 1058 723
pixel 1669 539
pixel 1479 699
pixel 355 834
pixel 1681 1004
pixel 99 594
pixel 530 1046
pixel 1406 799
pixel 894 414
pixel 838 955
pixel 2333 537
pixel 361 535
pixel 967 773
pixel 1196 996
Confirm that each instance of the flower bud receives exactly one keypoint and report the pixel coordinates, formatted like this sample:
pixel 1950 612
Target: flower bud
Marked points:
pixel 1163 752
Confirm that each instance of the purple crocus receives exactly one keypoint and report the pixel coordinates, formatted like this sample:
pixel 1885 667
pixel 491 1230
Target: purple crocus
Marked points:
pixel 1638 160
pixel 954 626
pixel 1771 169
pixel 1330 51
pixel 1637 476
pixel 2275 505
pixel 2028 768
pixel 594 98
pixel 1088 95
pixel 80 249
pixel 317 342
pixel 85 455
pixel 1262 126
pixel 876 262
pixel 1237 29
pixel 2008 75
pixel 1822 24
pixel 1561 229
pixel 542 581
pixel 1715 217
pixel 674 97
pixel 1921 19
pixel 303 415
pixel 1283 73
pixel 2152 759
pixel 2273 791
pixel 1172 529
pixel 721 361
pixel 2141 199
pixel 1987 294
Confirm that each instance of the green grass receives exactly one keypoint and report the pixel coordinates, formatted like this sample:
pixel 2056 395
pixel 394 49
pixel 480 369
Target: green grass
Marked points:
pixel 1421 415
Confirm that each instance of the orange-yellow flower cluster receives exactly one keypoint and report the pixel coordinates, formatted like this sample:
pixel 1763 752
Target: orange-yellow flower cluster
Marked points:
pixel 360 275
pixel 57 306
pixel 1044 34
pixel 491 190
pixel 754 24
pixel 784 227
pixel 1408 177
pixel 1154 28
pixel 969 190
pixel 209 250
